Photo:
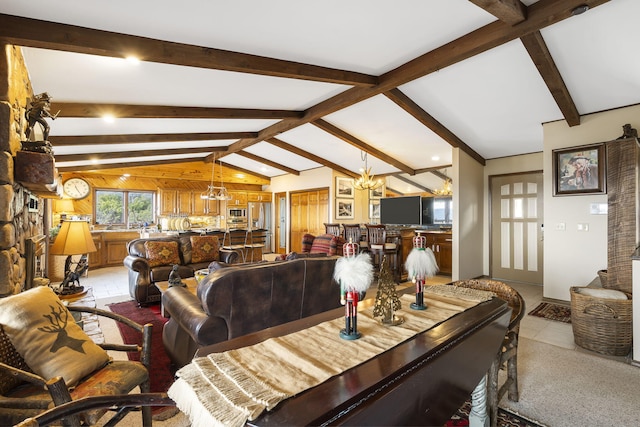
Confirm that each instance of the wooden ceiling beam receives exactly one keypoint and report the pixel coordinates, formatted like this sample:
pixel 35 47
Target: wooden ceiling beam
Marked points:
pixel 63 169
pixel 70 38
pixel 93 110
pixel 510 12
pixel 413 183
pixel 350 139
pixel 432 169
pixel 320 160
pixel 70 140
pixel 268 162
pixel 541 57
pixel 131 154
pixel 407 104
pixel 539 15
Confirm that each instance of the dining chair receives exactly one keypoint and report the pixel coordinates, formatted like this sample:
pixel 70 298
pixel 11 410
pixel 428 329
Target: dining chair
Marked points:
pixel 353 233
pixel 332 229
pixel 380 245
pixel 508 353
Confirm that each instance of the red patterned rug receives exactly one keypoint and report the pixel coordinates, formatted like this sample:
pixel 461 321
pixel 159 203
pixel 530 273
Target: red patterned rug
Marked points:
pixel 162 371
pixel 547 310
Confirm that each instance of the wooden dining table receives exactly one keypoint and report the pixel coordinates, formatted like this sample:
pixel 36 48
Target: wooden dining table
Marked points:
pixel 421 381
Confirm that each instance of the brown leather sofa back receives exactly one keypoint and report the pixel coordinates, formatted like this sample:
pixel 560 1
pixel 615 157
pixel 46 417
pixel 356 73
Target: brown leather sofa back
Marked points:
pixel 235 301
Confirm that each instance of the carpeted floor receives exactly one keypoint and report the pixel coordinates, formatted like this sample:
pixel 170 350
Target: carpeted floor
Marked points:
pixel 550 311
pixel 162 376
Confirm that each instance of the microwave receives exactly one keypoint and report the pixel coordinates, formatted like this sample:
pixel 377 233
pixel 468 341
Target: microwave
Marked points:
pixel 237 213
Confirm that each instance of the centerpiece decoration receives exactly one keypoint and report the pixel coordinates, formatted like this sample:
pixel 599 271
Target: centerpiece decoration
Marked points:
pixel 420 265
pixel 354 274
pixel 387 301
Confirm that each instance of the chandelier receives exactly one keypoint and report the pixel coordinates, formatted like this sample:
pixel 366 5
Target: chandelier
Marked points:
pixel 446 189
pixel 366 180
pixel 213 192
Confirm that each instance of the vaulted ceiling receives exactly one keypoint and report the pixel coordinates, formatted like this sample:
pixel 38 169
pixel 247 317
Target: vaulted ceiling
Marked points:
pixel 284 86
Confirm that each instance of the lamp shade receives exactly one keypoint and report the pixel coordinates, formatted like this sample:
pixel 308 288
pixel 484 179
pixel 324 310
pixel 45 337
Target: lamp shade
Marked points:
pixel 64 205
pixel 74 238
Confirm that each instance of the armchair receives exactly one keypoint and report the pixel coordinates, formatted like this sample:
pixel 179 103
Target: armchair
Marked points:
pixel 27 322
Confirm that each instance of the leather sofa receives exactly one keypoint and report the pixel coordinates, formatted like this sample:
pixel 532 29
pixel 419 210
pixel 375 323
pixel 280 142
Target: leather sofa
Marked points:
pixel 151 260
pixel 237 300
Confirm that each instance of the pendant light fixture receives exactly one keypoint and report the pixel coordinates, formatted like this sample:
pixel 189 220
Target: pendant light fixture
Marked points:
pixel 366 180
pixel 213 192
pixel 446 189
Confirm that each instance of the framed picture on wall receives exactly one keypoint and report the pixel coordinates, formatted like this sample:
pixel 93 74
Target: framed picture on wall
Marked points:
pixel 344 188
pixel 377 193
pixel 579 170
pixel 344 208
pixel 374 209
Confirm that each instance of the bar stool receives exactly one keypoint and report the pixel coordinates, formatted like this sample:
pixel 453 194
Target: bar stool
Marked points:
pixel 255 240
pixel 234 240
pixel 333 229
pixel 353 233
pixel 379 247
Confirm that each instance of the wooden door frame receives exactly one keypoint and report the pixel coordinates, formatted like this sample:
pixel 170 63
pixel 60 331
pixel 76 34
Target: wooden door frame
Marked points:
pixel 276 199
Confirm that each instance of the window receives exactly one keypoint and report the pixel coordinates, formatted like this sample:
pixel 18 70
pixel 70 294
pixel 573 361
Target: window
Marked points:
pixel 131 208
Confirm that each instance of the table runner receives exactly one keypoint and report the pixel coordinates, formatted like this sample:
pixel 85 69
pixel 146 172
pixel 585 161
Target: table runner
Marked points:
pixel 229 388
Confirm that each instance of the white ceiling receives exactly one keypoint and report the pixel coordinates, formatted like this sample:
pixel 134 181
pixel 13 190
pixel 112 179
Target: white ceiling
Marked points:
pixel 494 102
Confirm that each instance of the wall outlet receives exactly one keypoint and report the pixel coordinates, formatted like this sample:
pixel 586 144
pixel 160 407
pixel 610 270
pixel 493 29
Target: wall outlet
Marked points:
pixel 583 226
pixel 561 226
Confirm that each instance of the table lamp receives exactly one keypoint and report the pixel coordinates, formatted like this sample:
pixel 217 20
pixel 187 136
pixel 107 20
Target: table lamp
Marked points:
pixel 74 238
pixel 64 207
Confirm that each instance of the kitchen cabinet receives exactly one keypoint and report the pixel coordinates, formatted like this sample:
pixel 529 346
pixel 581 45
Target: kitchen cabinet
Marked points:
pixel 95 258
pixel 238 198
pixel 441 245
pixel 175 201
pixel 258 196
pixel 204 206
pixel 439 242
pixel 114 246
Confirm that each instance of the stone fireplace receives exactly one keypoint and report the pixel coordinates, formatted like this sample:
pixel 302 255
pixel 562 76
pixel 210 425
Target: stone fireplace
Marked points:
pixel 22 213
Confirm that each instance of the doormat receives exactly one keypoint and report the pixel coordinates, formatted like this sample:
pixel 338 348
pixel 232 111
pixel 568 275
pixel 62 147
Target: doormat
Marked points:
pixel 550 311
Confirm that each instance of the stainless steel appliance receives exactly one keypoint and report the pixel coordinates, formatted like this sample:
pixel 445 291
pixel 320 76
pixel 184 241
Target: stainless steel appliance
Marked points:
pixel 237 217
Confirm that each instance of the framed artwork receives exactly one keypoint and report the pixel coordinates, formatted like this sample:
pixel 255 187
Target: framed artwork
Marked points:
pixel 377 193
pixel 374 209
pixel 344 208
pixel 344 188
pixel 579 170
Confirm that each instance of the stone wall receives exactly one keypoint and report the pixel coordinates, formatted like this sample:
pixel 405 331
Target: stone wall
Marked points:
pixel 16 221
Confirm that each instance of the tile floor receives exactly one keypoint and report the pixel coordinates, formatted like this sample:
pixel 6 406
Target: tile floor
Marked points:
pixel 111 284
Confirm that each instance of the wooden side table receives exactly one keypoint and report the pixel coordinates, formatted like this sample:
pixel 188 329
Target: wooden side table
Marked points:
pixel 192 285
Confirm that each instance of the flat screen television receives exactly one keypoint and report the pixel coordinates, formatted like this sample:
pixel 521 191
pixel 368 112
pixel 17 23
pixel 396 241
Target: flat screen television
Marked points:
pixel 401 210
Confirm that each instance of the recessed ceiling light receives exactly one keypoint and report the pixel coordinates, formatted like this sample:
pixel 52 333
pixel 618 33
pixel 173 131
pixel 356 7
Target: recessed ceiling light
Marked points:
pixel 579 10
pixel 132 59
pixel 240 175
pixel 435 158
pixel 109 118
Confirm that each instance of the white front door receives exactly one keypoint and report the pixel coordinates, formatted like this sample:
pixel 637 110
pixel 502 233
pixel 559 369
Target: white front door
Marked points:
pixel 517 227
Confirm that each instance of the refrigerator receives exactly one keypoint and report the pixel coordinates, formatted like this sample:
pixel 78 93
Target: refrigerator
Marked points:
pixel 259 217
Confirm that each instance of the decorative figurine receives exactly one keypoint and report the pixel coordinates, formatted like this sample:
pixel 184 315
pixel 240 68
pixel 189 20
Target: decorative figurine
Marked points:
pixel 628 132
pixel 354 274
pixel 174 277
pixel 387 301
pixel 420 264
pixel 37 112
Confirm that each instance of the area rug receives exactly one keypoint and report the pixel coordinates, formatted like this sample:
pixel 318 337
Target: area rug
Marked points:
pixel 547 310
pixel 505 418
pixel 162 373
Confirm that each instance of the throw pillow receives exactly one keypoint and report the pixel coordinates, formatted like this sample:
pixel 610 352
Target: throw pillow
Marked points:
pixel 324 243
pixel 162 253
pixel 45 334
pixel 307 242
pixel 204 249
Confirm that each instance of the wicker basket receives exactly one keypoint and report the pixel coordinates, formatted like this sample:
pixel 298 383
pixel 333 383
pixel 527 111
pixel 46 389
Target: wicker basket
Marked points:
pixel 602 325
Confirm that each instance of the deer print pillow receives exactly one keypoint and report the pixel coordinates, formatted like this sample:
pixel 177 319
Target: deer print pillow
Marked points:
pixel 45 334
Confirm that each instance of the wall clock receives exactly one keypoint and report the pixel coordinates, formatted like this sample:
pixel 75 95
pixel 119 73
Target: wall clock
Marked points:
pixel 76 188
